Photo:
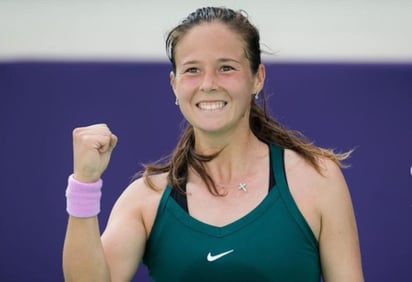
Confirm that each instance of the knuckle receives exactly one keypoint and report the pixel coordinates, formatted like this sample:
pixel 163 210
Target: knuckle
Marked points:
pixel 75 131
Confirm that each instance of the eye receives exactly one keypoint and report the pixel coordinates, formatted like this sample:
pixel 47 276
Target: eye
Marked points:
pixel 227 68
pixel 192 70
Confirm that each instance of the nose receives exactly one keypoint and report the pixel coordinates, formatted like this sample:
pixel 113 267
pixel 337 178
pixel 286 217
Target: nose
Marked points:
pixel 208 84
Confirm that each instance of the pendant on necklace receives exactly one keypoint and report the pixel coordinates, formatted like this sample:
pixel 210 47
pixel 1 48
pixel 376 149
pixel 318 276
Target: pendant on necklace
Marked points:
pixel 242 186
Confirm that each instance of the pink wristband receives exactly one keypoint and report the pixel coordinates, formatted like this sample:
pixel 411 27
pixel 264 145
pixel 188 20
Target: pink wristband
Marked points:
pixel 83 199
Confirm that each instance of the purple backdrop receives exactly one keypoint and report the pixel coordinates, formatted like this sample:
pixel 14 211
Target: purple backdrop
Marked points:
pixel 367 106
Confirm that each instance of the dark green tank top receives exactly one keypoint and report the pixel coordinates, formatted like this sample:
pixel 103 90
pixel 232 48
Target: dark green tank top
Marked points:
pixel 273 242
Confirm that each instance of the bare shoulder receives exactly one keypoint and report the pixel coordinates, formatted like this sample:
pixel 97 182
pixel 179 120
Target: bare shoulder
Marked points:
pixel 329 179
pixel 139 192
pixel 141 201
pixel 333 186
pixel 129 226
pixel 324 200
pixel 314 192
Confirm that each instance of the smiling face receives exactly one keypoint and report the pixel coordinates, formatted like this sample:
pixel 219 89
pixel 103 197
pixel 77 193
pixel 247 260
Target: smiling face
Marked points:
pixel 213 79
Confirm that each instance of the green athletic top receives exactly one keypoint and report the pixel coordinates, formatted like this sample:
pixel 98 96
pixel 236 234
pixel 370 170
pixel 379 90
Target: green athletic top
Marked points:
pixel 273 242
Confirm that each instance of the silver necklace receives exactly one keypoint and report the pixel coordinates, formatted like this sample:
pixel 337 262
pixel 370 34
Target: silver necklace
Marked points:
pixel 241 186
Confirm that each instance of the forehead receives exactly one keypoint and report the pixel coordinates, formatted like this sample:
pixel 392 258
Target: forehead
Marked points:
pixel 210 37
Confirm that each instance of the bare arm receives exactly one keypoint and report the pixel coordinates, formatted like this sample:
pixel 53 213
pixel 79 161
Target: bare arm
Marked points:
pixel 339 244
pixel 116 254
pixel 125 235
pixel 83 255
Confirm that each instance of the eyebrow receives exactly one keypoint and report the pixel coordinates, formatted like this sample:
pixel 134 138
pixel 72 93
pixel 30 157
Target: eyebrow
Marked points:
pixel 221 60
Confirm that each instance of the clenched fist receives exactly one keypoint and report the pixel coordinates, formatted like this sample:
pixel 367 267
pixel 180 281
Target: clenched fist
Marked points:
pixel 92 148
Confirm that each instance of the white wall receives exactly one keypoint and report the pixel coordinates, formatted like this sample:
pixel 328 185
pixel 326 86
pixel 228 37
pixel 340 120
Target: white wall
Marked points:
pixel 338 30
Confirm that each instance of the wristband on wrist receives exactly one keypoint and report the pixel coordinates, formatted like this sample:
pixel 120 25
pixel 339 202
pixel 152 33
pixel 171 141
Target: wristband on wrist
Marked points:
pixel 83 199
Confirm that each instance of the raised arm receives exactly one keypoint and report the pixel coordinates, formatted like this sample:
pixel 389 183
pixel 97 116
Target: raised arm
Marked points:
pixel 116 254
pixel 83 255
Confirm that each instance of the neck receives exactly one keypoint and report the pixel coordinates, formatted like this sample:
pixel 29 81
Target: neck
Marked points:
pixel 236 162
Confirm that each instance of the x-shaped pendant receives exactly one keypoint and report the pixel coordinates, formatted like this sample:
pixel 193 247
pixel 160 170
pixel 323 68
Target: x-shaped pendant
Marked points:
pixel 242 186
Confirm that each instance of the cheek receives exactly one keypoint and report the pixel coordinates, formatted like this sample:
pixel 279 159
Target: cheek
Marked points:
pixel 239 85
pixel 185 85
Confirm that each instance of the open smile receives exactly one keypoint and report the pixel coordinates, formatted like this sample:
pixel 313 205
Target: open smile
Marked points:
pixel 211 106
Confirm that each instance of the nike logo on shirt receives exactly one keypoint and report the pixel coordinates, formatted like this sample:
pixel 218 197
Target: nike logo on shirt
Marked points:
pixel 211 257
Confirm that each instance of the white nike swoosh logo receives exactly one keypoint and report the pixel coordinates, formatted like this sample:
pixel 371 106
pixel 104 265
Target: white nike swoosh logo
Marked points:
pixel 211 258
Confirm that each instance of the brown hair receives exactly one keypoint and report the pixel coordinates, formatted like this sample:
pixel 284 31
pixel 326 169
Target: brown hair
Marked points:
pixel 266 128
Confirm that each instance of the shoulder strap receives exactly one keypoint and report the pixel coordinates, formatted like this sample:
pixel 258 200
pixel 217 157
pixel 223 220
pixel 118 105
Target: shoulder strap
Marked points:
pixel 282 184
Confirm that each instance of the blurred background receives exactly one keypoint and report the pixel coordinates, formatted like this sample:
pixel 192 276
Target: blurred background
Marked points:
pixel 339 71
pixel 298 30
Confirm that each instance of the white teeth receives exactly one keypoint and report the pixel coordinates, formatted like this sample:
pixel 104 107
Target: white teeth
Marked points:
pixel 209 106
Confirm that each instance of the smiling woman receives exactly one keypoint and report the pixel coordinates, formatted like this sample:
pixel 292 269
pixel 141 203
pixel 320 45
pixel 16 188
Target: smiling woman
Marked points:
pixel 213 79
pixel 240 198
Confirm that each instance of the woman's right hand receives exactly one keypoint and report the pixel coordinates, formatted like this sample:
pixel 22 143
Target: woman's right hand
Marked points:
pixel 92 148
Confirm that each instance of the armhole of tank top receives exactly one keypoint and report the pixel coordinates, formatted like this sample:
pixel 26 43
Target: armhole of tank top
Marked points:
pixel 164 198
pixel 278 157
pixel 159 213
pixel 157 221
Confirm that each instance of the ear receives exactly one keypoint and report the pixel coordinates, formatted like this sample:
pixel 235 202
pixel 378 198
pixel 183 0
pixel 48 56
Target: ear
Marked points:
pixel 260 79
pixel 172 79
